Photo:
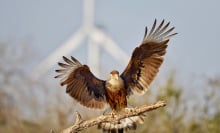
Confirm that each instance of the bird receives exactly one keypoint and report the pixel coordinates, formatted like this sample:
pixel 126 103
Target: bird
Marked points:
pixel 143 66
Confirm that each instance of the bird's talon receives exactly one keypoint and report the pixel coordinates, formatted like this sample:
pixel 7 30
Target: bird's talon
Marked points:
pixel 130 109
pixel 112 114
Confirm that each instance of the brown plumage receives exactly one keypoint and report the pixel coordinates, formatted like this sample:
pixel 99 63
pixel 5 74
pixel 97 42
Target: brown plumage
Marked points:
pixel 142 68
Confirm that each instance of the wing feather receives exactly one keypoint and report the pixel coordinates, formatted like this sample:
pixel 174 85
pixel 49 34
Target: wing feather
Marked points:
pixel 81 84
pixel 158 28
pixel 162 29
pixel 153 27
pixel 64 65
pixel 147 58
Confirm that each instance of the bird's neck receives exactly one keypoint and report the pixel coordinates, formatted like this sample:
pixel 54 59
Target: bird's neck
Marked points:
pixel 114 85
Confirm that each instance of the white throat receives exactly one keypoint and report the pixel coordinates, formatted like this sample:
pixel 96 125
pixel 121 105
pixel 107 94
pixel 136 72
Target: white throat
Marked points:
pixel 114 84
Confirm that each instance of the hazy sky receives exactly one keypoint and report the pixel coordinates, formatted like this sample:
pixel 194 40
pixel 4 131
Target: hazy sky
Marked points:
pixel 194 51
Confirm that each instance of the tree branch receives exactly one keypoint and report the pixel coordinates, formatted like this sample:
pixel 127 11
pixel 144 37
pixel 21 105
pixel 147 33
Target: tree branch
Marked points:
pixel 80 124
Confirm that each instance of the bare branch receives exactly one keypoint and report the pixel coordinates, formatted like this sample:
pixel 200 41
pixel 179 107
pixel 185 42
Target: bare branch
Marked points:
pixel 80 124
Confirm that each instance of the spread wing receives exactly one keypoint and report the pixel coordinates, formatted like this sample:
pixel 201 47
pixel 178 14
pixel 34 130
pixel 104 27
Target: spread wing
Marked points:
pixel 147 58
pixel 81 84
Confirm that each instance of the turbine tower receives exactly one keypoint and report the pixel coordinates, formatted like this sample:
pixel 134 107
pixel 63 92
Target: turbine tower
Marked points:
pixel 96 39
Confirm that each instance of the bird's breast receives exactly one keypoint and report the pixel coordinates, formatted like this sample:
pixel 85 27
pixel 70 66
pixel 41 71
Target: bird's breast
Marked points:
pixel 116 98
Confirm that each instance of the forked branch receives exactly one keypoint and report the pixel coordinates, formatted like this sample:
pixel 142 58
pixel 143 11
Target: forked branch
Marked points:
pixel 80 124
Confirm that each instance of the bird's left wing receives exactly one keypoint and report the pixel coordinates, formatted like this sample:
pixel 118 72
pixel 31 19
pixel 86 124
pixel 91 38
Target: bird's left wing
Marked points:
pixel 146 59
pixel 81 84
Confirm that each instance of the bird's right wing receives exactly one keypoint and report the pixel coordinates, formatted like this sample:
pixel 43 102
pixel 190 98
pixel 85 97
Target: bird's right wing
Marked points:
pixel 81 84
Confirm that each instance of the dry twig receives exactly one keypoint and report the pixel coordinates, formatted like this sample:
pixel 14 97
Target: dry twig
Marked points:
pixel 80 124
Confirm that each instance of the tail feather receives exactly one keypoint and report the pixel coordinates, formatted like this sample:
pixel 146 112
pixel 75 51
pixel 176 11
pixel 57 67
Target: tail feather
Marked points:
pixel 125 124
pixel 120 130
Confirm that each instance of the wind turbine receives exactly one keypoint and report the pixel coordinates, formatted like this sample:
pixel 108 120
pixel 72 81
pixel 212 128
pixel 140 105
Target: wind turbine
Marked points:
pixel 96 39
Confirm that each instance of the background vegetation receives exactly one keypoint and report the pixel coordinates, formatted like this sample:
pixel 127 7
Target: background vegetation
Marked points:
pixel 27 106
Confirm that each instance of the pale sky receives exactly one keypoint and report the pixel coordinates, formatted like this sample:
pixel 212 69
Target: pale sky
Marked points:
pixel 194 51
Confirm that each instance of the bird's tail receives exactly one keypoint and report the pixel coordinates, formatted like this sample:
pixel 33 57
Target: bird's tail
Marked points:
pixel 125 124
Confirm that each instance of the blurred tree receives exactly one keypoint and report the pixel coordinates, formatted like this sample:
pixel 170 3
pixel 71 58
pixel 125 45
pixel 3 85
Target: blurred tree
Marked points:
pixel 28 107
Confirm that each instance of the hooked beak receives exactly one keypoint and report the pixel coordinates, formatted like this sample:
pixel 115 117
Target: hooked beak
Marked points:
pixel 116 76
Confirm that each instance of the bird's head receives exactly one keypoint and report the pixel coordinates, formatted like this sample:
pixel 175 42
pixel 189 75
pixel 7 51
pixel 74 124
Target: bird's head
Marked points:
pixel 114 82
pixel 114 75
